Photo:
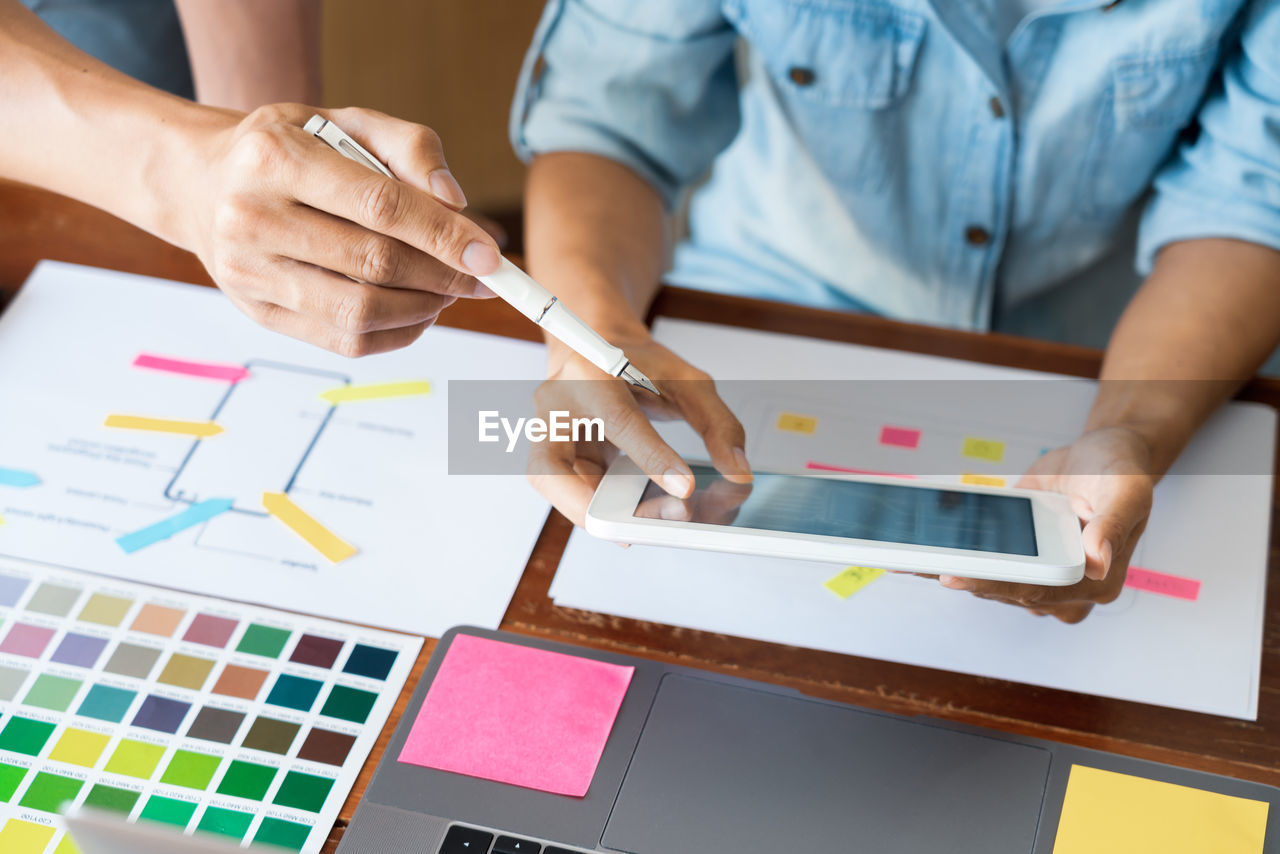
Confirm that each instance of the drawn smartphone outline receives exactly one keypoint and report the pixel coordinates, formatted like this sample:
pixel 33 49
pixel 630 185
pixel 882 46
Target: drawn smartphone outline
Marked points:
pixel 331 380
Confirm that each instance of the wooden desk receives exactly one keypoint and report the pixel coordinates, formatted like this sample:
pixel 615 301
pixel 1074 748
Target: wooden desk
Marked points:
pixel 36 225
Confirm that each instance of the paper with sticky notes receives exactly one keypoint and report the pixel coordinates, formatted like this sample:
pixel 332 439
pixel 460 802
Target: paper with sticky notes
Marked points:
pixel 517 715
pixel 1105 812
pixel 1203 654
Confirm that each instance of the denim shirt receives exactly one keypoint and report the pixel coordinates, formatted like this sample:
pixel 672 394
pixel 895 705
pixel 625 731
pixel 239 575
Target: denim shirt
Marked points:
pixel 891 155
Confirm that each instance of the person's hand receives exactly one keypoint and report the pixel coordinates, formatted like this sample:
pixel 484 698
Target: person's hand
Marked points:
pixel 716 504
pixel 568 473
pixel 1106 474
pixel 323 249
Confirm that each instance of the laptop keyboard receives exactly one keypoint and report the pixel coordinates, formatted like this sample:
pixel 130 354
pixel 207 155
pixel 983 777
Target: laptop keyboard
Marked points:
pixel 469 840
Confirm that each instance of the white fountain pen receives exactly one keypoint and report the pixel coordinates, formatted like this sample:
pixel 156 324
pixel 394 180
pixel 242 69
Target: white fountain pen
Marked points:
pixel 512 284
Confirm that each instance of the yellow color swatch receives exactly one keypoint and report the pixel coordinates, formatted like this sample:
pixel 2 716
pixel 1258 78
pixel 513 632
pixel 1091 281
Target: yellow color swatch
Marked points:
pixel 1109 813
pixel 135 759
pixel 376 391
pixel 982 480
pixel 983 449
pixel 321 538
pixel 24 837
pixel 66 846
pixel 793 423
pixel 852 579
pixel 80 747
pixel 199 429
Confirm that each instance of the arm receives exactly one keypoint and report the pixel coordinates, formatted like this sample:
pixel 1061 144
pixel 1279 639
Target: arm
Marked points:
pixel 246 53
pixel 285 225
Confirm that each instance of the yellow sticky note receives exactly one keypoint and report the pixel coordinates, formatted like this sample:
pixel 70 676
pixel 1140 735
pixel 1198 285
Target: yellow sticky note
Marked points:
pixel 24 837
pixel 852 579
pixel 793 423
pixel 304 525
pixel 199 429
pixel 1 520
pixel 983 449
pixel 376 391
pixel 982 480
pixel 1109 813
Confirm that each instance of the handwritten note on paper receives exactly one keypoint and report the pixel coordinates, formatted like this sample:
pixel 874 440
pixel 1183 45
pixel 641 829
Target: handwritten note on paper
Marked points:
pixel 852 579
pixel 1109 813
pixel 900 437
pixel 1162 583
pixel 983 449
pixel 982 479
pixel 518 715
pixel 792 423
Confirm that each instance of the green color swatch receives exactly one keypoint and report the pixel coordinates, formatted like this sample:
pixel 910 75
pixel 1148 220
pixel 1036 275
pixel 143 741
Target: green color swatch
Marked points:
pixel 263 640
pixel 48 792
pixel 349 704
pixel 23 735
pixel 168 810
pixel 294 692
pixel 10 778
pixel 246 780
pixel 106 797
pixel 52 692
pixel 231 823
pixel 106 703
pixel 303 791
pixel 135 759
pixel 192 770
pixel 285 834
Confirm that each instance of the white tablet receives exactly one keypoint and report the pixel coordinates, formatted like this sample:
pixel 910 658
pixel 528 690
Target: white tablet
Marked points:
pixel 1018 535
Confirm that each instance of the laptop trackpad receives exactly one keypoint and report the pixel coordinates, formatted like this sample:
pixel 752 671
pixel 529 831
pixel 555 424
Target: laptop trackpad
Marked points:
pixel 725 768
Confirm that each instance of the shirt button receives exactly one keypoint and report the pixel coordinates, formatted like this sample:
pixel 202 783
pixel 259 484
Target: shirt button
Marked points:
pixel 801 76
pixel 997 109
pixel 976 235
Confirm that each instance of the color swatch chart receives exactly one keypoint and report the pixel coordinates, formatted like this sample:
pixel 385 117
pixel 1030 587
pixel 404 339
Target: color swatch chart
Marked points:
pixel 203 714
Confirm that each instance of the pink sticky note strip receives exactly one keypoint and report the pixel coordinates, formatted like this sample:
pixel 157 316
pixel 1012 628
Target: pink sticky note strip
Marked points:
pixel 205 370
pixel 517 715
pixel 814 466
pixel 1163 583
pixel 900 437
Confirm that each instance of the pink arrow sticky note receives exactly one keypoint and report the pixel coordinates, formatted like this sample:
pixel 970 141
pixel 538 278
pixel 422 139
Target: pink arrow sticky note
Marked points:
pixel 186 367
pixel 517 715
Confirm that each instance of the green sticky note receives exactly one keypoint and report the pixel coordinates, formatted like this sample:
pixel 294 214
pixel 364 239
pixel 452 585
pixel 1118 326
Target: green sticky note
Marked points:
pixel 106 797
pixel 23 735
pixel 48 792
pixel 168 811
pixel 303 791
pixel 52 692
pixel 284 834
pixel 263 640
pixel 135 759
pixel 246 780
pixel 226 822
pixel 349 704
pixel 852 579
pixel 191 770
pixel 10 778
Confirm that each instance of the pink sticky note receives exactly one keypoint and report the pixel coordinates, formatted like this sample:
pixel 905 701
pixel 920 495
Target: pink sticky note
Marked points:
pixel 27 640
pixel 815 466
pixel 517 715
pixel 205 370
pixel 900 437
pixel 1162 583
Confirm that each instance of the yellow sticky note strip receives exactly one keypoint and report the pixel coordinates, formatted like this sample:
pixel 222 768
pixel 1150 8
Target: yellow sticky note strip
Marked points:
pixel 793 423
pixel 982 480
pixel 304 525
pixel 199 429
pixel 24 837
pixel 1109 813
pixel 1 520
pixel 983 449
pixel 852 579
pixel 376 391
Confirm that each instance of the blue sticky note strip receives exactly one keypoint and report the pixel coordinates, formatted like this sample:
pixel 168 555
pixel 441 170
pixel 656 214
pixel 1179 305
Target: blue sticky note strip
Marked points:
pixel 163 530
pixel 17 477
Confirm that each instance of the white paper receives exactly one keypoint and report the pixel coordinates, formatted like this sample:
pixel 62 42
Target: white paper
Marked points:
pixel 434 550
pixel 1201 655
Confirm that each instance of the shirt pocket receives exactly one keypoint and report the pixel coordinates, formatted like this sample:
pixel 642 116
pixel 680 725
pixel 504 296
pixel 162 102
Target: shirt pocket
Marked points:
pixel 839 68
pixel 1149 102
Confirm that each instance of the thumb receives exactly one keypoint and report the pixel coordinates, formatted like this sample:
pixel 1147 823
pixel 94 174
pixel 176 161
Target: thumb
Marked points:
pixel 1121 509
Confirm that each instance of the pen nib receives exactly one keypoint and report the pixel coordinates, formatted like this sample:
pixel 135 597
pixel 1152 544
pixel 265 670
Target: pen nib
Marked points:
pixel 632 375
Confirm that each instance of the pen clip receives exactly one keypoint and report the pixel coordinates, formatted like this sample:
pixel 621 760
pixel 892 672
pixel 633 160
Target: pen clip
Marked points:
pixel 342 143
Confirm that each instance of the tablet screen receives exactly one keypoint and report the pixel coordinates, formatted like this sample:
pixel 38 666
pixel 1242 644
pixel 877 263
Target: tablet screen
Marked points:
pixel 832 507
